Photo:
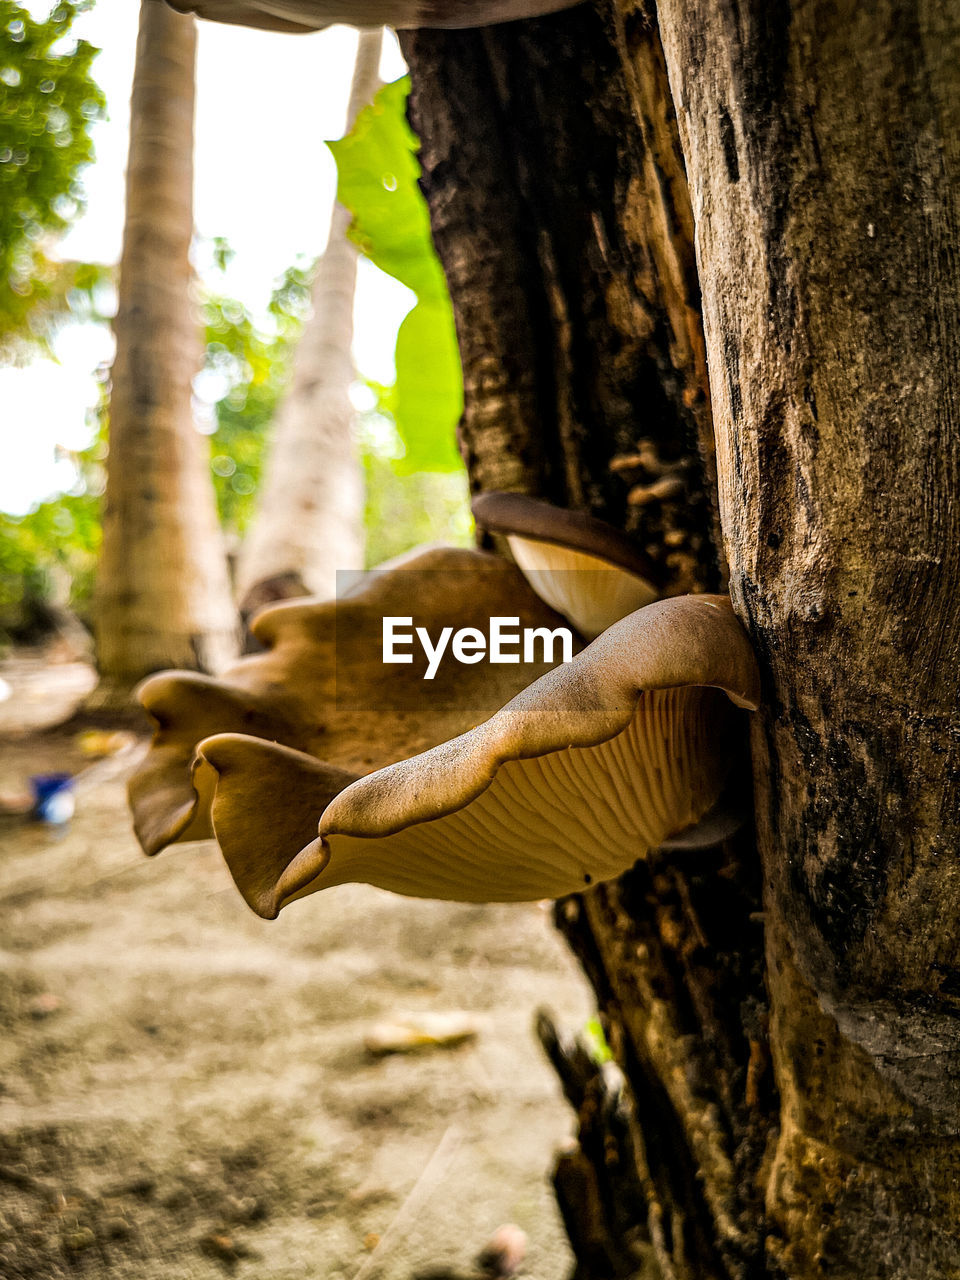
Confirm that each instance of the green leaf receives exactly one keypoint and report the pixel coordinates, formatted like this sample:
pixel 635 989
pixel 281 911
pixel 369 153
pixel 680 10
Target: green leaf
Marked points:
pixel 596 1041
pixel 428 397
pixel 377 181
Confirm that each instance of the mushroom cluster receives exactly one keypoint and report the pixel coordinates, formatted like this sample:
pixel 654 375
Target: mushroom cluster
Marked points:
pixel 597 762
pixel 334 702
pixel 633 744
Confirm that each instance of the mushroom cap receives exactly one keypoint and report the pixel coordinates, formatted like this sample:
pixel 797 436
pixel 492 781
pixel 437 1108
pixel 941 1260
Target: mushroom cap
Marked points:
pixel 169 802
pixel 311 15
pixel 518 513
pixel 337 703
pixel 291 783
pixel 570 783
pixel 581 566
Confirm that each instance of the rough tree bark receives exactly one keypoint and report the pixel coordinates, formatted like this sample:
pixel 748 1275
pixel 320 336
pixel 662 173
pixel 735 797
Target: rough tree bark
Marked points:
pixel 309 518
pixel 821 147
pixel 578 323
pixel 163 593
pixel 553 171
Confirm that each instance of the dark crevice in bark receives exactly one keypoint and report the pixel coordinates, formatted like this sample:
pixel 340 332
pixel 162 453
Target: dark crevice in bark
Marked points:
pixel 600 1189
pixel 482 238
pixel 681 989
pixel 575 343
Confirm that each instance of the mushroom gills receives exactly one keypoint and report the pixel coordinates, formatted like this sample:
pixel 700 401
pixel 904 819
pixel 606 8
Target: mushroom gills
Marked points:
pixel 592 593
pixel 543 827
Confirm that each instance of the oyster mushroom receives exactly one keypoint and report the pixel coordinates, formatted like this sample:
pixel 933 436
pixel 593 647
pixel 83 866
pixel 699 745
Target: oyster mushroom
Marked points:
pixel 293 784
pixel 310 15
pixel 335 703
pixel 581 566
pixel 577 777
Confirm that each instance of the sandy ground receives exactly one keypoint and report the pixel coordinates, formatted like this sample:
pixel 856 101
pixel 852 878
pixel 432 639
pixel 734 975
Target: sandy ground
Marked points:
pixel 185 1091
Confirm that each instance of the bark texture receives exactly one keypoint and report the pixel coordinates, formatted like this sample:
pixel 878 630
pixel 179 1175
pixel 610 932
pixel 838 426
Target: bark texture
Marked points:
pixel 553 170
pixel 163 595
pixel 561 217
pixel 817 1136
pixel 823 151
pixel 309 519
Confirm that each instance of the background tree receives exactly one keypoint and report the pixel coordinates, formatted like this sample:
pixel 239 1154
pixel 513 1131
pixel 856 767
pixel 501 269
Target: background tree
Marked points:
pixel 163 594
pixel 309 517
pixel 250 360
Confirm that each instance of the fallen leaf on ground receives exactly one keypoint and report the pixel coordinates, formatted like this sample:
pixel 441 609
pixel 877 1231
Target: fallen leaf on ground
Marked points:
pixel 413 1032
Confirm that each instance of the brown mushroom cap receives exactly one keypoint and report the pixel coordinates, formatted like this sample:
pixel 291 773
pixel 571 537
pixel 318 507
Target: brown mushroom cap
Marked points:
pixel 289 783
pixel 168 801
pixel 581 566
pixel 517 513
pixel 311 15
pixel 569 783
pixel 336 703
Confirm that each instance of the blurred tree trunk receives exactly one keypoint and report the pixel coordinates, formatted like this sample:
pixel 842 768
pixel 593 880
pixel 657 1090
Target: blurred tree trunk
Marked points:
pixel 309 516
pixel 792 1083
pixel 163 595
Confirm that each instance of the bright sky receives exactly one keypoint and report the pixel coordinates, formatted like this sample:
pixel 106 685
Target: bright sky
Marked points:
pixel 264 180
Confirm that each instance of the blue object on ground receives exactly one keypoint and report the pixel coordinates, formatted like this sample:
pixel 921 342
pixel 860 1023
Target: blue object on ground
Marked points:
pixel 53 799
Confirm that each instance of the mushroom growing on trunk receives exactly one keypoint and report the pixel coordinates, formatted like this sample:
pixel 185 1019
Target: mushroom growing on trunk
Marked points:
pixel 337 703
pixel 577 777
pixel 582 567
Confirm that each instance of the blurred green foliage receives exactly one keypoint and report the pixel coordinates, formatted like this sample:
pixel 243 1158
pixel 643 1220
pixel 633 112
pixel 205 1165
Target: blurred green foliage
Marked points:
pixel 249 364
pixel 49 555
pixel 406 508
pixel 377 171
pixel 416 483
pixel 48 102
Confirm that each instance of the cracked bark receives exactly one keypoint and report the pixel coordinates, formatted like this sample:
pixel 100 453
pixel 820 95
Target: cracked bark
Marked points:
pixel 560 210
pixel 823 149
pixel 577 309
pixel 821 145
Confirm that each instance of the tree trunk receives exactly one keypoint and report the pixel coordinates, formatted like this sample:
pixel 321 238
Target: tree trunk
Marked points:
pixel 560 210
pixel 821 147
pixel 163 596
pixel 309 520
pixel 584 366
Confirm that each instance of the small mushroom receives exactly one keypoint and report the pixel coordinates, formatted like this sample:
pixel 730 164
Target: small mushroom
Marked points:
pixel 577 777
pixel 337 703
pixel 311 15
pixel 584 568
